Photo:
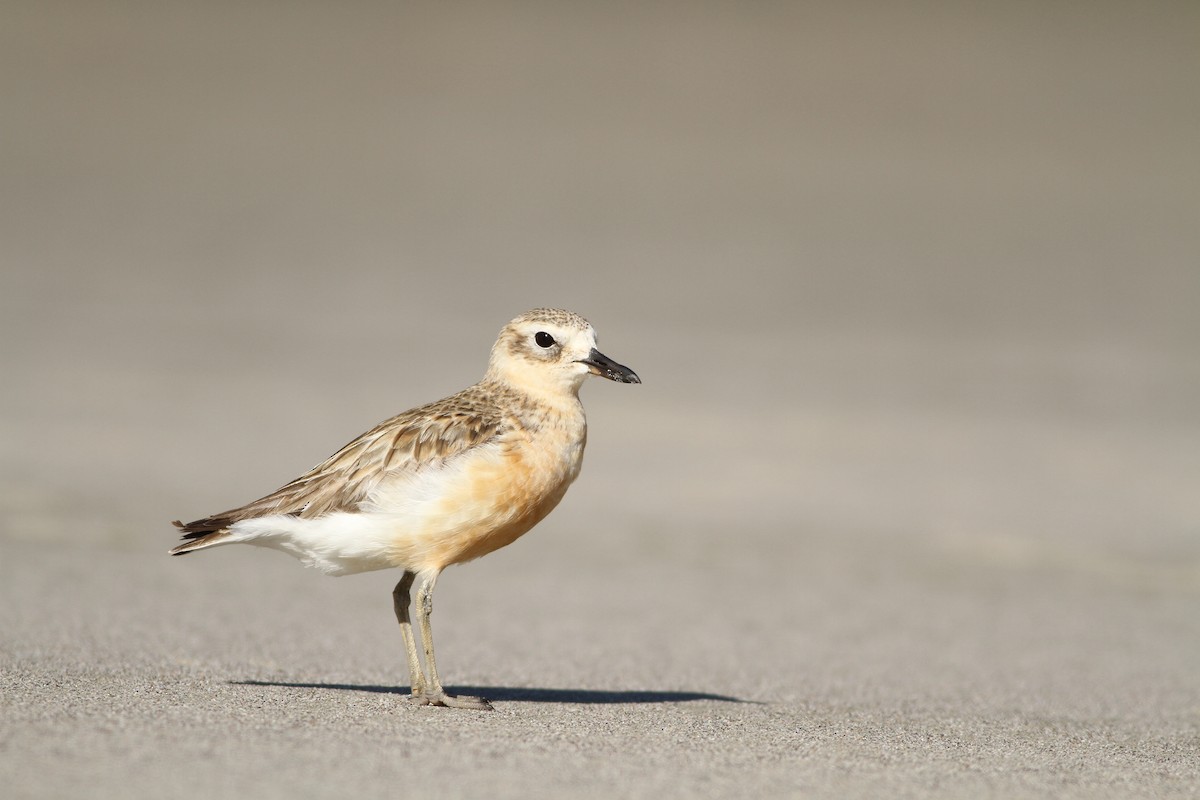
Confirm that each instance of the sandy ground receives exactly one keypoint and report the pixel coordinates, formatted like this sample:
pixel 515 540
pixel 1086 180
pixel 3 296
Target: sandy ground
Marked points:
pixel 907 505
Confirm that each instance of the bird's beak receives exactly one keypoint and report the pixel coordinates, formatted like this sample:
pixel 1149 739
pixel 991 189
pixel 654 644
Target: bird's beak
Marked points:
pixel 600 364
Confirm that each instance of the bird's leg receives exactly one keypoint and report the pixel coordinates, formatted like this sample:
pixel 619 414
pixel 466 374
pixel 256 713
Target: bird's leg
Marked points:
pixel 401 599
pixel 434 694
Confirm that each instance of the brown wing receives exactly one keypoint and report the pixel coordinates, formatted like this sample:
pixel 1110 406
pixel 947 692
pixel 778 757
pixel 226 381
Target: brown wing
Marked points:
pixel 423 435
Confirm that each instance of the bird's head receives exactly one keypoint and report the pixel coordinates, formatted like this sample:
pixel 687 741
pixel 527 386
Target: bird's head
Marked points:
pixel 549 352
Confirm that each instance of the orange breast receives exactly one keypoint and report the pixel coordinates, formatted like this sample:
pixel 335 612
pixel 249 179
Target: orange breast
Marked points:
pixel 499 500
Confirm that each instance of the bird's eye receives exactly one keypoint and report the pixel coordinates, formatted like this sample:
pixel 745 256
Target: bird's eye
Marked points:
pixel 543 339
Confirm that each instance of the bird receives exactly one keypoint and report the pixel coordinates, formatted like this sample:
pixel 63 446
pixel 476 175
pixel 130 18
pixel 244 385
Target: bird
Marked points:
pixel 440 484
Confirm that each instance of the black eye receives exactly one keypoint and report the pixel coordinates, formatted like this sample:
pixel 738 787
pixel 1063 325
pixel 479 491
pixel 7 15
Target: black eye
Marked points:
pixel 543 339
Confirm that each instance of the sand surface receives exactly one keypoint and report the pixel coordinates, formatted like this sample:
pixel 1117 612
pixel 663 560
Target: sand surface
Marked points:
pixel 906 507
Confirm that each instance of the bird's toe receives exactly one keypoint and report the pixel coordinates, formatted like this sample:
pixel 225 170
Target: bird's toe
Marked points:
pixel 459 701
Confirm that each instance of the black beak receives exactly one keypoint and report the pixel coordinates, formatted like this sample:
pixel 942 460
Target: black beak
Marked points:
pixel 605 367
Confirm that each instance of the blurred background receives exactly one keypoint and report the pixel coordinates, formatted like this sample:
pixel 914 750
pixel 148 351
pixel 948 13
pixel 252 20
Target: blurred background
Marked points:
pixel 923 271
pixel 912 288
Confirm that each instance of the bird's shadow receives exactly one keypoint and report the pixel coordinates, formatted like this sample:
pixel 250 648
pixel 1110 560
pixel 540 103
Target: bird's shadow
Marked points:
pixel 520 694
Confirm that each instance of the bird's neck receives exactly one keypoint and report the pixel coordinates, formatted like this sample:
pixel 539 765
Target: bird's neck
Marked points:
pixel 539 406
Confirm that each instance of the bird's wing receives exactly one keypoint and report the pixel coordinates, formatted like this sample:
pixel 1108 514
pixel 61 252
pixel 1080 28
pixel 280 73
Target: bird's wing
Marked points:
pixel 424 435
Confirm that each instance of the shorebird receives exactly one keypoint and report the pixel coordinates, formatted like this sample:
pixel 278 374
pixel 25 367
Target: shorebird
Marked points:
pixel 440 484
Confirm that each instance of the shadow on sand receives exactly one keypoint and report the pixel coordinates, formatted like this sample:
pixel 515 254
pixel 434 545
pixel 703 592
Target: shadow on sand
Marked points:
pixel 519 694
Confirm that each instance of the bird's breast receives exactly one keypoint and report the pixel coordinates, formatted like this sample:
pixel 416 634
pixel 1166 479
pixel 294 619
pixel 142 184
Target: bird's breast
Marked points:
pixel 496 493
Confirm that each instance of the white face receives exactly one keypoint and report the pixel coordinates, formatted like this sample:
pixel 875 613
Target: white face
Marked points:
pixel 559 345
pixel 545 351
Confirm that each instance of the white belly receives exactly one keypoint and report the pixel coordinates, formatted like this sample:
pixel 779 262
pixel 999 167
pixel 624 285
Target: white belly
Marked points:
pixel 435 515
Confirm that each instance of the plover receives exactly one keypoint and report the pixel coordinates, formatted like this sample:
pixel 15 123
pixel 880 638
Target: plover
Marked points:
pixel 441 484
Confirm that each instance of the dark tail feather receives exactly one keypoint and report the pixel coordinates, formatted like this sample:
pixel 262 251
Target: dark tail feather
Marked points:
pixel 200 534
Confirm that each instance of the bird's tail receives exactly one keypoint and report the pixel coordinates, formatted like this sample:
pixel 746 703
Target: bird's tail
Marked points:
pixel 198 535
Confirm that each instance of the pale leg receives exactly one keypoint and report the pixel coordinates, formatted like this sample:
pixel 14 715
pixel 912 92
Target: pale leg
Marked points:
pixel 401 599
pixel 434 694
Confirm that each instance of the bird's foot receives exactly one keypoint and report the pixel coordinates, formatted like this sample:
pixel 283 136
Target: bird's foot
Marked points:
pixel 436 698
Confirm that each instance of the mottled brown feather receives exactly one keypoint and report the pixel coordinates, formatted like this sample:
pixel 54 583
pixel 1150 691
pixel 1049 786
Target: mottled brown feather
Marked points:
pixel 428 434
